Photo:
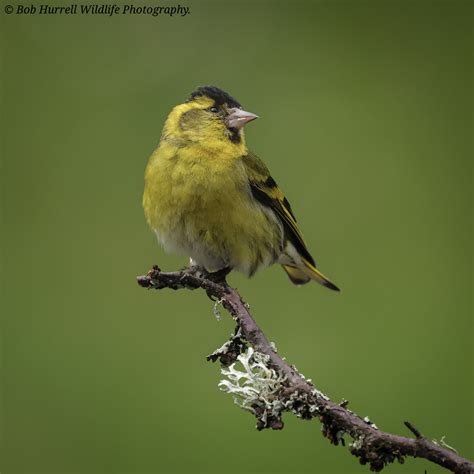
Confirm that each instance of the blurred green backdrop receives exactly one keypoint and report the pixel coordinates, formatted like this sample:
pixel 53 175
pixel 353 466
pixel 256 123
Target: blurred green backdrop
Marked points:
pixel 365 121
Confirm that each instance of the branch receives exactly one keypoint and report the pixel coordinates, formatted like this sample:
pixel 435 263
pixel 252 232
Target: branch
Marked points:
pixel 288 390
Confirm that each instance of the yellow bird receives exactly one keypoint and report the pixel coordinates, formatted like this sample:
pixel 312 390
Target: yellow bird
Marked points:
pixel 207 196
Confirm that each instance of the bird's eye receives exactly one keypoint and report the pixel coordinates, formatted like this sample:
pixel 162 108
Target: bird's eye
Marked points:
pixel 214 110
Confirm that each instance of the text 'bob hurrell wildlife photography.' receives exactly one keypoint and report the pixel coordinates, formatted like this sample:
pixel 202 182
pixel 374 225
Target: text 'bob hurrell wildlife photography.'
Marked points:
pixel 98 9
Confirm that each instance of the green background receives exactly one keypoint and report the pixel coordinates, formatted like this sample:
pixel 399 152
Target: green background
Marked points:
pixel 365 122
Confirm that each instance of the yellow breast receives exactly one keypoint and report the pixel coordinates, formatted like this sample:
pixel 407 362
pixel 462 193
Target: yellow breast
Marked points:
pixel 199 204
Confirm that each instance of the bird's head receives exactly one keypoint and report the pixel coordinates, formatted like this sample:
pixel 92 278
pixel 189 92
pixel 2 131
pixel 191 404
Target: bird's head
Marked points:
pixel 210 116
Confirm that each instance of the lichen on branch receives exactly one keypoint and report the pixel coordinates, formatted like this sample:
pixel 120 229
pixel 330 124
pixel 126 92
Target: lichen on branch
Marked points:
pixel 263 383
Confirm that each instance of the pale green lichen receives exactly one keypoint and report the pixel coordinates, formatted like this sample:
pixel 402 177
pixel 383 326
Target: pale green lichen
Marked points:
pixel 443 444
pixel 216 310
pixel 357 443
pixel 372 424
pixel 253 385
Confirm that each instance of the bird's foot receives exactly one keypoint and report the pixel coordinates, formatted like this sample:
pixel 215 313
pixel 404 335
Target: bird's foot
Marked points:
pixel 219 275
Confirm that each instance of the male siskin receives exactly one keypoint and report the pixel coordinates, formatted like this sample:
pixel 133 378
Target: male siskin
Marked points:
pixel 207 196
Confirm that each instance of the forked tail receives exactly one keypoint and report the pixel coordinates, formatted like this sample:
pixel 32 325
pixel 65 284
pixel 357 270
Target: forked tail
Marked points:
pixel 305 272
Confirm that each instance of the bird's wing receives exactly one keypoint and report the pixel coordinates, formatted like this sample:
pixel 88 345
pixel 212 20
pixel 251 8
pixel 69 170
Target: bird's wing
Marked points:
pixel 266 191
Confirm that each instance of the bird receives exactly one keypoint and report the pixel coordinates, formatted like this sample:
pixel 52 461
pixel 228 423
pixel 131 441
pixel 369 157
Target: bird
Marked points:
pixel 207 196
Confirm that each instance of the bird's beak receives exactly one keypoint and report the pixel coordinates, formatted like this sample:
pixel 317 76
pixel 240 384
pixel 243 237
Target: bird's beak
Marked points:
pixel 237 118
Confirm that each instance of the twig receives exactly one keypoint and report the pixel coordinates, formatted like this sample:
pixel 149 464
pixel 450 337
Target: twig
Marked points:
pixel 299 395
pixel 413 429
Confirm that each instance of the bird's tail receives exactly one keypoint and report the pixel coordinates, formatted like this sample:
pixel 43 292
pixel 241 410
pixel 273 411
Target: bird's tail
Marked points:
pixel 305 272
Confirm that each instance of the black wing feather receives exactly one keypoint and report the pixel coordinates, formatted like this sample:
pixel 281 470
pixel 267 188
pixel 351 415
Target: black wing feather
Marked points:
pixel 291 231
